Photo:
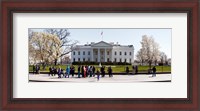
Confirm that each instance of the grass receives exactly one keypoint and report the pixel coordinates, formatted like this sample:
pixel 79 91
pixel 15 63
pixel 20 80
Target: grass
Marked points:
pixel 115 68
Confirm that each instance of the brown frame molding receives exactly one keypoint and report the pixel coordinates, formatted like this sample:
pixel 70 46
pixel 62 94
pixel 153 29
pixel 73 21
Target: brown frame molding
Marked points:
pixel 191 7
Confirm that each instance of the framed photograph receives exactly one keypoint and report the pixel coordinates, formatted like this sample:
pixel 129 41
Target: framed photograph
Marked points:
pixel 100 55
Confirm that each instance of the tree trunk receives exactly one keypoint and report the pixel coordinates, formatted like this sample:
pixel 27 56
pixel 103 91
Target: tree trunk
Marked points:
pixel 43 66
pixel 149 65
pixel 55 62
pixel 60 60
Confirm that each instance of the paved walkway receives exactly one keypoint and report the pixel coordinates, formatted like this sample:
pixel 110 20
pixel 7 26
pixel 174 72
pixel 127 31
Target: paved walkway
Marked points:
pixel 106 79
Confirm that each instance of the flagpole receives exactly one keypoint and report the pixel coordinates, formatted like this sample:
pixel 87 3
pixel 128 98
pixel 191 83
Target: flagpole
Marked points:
pixel 102 35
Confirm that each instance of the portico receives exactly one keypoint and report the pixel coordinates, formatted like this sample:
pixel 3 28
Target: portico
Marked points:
pixel 103 52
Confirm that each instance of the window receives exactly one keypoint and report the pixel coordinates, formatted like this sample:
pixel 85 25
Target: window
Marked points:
pixel 83 52
pixel 108 60
pixel 78 52
pixel 120 60
pixel 83 59
pixel 130 53
pixel 74 53
pixel 108 53
pixel 120 53
pixel 124 60
pixel 115 59
pixel 115 53
pixel 96 52
pixel 124 53
pixel 79 59
pixel 88 52
pixel 130 60
pixel 88 59
pixel 101 52
pixel 96 60
pixel 74 59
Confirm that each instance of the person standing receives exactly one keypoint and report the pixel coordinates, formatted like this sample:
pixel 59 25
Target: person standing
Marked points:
pixel 72 71
pixel 59 72
pixel 93 71
pixel 127 70
pixel 36 69
pixel 90 71
pixel 39 69
pixel 55 71
pixel 33 69
pixel 50 71
pixel 136 69
pixel 82 71
pixel 133 68
pixel 110 71
pixel 62 72
pixel 86 67
pixel 85 71
pixel 79 69
pixel 102 71
pixel 154 72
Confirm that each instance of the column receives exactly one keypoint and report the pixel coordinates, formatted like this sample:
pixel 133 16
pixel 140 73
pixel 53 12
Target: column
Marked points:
pixel 98 55
pixel 111 59
pixel 105 57
pixel 92 58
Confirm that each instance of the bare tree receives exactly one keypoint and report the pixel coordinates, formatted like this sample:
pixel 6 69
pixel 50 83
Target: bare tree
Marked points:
pixel 163 58
pixel 140 56
pixel 67 44
pixel 150 50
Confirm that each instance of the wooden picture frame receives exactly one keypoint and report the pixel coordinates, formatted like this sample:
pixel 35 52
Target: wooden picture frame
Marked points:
pixel 107 6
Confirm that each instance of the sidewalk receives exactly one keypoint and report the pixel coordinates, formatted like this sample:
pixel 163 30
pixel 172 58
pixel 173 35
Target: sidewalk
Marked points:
pixel 106 79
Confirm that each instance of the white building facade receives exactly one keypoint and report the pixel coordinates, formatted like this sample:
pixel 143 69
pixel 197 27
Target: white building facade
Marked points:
pixel 103 52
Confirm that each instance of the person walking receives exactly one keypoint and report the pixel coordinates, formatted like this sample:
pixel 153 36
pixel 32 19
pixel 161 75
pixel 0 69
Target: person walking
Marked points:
pixel 67 71
pixel 98 75
pixel 154 72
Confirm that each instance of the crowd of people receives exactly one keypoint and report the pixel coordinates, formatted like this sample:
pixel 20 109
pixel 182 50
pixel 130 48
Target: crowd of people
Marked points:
pixel 134 69
pixel 36 69
pixel 85 71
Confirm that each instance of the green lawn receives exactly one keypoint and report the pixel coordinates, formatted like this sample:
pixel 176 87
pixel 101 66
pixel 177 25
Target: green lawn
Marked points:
pixel 116 68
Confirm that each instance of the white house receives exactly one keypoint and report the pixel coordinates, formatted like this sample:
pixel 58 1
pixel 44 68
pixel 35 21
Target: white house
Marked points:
pixel 103 52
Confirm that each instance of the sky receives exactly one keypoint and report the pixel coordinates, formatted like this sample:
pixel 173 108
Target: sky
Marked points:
pixel 123 37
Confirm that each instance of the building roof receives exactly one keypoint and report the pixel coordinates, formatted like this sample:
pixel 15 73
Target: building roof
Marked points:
pixel 92 44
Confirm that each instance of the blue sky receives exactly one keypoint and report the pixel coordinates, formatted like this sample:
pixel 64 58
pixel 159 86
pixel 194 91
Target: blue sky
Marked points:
pixel 123 37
